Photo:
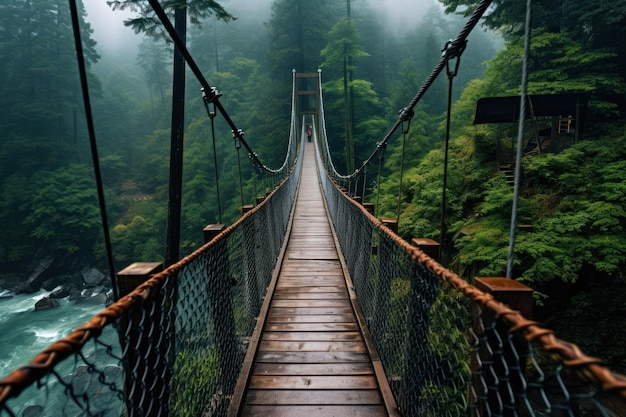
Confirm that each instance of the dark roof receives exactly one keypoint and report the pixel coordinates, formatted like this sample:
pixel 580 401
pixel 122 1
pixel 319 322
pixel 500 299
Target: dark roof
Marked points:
pixel 506 109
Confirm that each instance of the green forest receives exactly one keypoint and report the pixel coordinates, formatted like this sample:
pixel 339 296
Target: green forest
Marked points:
pixel 571 250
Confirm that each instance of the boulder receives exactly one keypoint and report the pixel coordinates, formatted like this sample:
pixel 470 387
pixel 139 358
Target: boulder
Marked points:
pixel 46 303
pixel 93 277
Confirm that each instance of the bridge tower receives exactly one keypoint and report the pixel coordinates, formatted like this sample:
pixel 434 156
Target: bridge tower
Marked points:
pixel 307 92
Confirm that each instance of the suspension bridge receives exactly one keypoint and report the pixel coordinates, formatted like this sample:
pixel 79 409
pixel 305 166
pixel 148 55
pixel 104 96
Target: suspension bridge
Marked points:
pixel 310 305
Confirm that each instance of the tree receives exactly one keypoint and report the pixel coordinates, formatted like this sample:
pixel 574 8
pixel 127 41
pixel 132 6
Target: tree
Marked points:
pixel 297 29
pixel 39 110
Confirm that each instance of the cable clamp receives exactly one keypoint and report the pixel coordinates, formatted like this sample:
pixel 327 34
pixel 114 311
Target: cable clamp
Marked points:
pixel 211 96
pixel 406 114
pixel 453 49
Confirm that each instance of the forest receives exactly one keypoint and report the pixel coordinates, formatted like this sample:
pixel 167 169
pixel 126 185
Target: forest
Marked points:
pixel 573 197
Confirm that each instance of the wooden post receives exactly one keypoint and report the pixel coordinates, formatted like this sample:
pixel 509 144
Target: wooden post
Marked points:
pixel 390 223
pixel 358 199
pixel 141 366
pixel 211 231
pixel 246 208
pixel 501 353
pixel 428 246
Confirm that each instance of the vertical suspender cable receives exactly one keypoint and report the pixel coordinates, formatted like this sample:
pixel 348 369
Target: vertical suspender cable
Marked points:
pixel 94 149
pixel 520 137
pixel 381 160
pixel 450 52
pixel 404 133
pixel 238 146
pixel 212 115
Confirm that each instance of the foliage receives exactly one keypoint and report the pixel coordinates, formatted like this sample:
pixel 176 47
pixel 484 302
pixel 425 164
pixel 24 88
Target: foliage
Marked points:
pixel 194 373
pixel 64 212
pixel 148 22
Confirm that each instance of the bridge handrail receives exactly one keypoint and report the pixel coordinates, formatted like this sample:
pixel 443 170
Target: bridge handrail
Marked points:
pixel 263 226
pixel 370 271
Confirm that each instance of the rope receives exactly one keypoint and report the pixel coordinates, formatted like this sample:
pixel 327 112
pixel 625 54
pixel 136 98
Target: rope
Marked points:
pixel 94 148
pixel 520 137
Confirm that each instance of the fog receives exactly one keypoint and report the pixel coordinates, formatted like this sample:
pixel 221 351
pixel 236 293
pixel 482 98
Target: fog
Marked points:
pixel 112 35
pixel 401 14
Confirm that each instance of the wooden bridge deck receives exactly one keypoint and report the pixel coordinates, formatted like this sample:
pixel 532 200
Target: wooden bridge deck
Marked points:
pixel 311 357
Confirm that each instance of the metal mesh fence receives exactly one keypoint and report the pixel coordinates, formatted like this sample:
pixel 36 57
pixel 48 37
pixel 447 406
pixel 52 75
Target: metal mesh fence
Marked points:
pixel 449 349
pixel 172 347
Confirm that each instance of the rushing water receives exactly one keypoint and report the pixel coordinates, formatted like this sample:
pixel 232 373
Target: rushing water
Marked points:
pixel 24 331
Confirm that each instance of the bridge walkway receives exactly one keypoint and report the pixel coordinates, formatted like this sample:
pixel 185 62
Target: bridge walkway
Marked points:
pixel 312 357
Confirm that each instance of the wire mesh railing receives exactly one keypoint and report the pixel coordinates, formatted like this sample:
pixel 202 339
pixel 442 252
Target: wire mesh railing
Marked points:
pixel 174 346
pixel 449 349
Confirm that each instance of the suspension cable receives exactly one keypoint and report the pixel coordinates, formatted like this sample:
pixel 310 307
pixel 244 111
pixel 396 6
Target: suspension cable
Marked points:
pixel 206 87
pixel 94 148
pixel 520 136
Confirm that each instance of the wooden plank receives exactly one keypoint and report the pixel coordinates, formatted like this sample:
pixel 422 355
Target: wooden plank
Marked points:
pixel 333 318
pixel 312 382
pixel 312 357
pixel 295 369
pixel 311 327
pixel 313 411
pixel 309 311
pixel 278 346
pixel 313 255
pixel 310 303
pixel 311 296
pixel 318 397
pixel 312 336
pixel 311 289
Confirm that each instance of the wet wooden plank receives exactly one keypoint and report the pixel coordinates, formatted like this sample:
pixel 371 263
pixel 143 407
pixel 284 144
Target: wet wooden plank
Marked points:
pixel 308 295
pixel 296 311
pixel 314 411
pixel 312 357
pixel 312 289
pixel 318 397
pixel 330 369
pixel 318 318
pixel 310 303
pixel 278 346
pixel 311 327
pixel 312 336
pixel 312 382
pixel 313 255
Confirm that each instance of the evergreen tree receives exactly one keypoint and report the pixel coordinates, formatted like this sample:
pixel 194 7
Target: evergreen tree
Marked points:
pixel 40 117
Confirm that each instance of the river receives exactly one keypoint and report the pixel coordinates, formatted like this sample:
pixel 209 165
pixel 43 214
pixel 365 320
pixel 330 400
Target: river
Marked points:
pixel 24 331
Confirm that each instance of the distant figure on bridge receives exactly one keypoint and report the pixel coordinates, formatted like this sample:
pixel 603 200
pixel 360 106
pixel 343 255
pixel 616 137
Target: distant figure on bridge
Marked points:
pixel 309 133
